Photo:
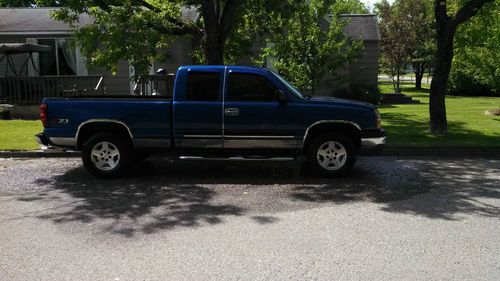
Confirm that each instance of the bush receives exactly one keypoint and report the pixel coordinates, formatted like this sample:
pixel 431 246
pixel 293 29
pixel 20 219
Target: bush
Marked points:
pixel 461 84
pixel 359 93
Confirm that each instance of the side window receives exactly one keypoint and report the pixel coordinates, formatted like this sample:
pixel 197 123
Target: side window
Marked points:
pixel 202 86
pixel 250 87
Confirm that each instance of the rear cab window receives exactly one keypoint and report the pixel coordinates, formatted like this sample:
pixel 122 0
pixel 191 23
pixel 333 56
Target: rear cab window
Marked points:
pixel 202 86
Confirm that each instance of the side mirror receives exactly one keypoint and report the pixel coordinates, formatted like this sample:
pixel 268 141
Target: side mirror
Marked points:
pixel 281 97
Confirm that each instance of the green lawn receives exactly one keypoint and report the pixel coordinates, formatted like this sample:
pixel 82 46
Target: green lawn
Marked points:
pixel 19 135
pixel 468 126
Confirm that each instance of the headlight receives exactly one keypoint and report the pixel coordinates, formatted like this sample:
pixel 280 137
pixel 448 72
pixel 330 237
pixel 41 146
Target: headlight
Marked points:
pixel 378 125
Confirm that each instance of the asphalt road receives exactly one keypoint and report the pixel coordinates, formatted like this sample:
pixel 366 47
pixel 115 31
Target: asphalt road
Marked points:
pixel 393 218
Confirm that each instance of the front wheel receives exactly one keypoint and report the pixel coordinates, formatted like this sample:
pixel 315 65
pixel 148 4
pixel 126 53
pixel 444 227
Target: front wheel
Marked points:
pixel 331 155
pixel 106 155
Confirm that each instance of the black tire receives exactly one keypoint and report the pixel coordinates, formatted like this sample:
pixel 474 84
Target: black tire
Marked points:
pixel 107 164
pixel 336 164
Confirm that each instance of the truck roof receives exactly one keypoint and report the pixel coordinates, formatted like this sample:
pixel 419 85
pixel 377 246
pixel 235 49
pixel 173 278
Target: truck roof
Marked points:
pixel 213 67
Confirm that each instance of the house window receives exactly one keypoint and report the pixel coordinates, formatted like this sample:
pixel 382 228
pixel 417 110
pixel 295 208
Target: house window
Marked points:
pixel 63 59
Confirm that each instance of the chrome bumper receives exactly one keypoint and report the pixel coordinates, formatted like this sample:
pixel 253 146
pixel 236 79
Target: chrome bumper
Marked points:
pixel 373 142
pixel 53 142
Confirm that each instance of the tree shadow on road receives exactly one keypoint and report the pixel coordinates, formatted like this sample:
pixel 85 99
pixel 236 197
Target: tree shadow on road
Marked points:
pixel 439 189
pixel 134 204
pixel 460 187
pixel 162 195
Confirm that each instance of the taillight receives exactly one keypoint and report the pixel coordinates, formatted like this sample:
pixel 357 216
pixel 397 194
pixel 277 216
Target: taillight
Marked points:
pixel 43 114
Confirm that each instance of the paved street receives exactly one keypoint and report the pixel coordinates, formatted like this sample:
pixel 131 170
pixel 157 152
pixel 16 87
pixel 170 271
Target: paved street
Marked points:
pixel 394 218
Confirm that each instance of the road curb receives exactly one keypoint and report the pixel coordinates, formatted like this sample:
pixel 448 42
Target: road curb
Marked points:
pixel 39 154
pixel 389 151
pixel 459 152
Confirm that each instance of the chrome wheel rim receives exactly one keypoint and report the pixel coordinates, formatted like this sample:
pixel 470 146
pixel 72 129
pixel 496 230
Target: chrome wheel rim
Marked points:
pixel 105 156
pixel 331 155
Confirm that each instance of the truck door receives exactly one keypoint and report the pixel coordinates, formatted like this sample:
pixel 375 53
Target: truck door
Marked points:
pixel 253 118
pixel 198 110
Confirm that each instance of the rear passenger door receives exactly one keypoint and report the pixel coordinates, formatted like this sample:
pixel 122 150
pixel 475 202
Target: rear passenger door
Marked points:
pixel 198 114
pixel 253 118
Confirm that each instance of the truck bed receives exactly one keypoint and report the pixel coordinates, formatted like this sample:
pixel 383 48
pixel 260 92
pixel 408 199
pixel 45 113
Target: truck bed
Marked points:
pixel 147 117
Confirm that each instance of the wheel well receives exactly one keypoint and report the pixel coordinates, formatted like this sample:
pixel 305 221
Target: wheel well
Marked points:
pixel 350 130
pixel 90 129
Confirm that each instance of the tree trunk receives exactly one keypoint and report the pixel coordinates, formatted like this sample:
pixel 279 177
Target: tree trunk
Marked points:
pixel 398 82
pixel 213 51
pixel 438 124
pixel 419 74
pixel 214 39
pixel 213 43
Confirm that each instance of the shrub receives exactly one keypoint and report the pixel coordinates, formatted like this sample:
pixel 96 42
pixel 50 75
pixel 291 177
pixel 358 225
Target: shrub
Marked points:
pixel 359 93
pixel 462 84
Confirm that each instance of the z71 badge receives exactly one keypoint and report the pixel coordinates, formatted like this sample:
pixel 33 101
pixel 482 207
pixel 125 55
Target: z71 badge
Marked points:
pixel 61 121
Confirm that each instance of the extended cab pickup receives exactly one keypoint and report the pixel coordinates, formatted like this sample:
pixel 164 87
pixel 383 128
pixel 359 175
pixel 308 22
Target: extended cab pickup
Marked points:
pixel 230 112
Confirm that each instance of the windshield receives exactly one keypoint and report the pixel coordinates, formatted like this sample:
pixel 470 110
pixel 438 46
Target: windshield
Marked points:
pixel 289 87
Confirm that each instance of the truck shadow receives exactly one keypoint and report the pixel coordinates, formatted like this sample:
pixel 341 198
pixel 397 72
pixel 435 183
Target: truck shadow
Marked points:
pixel 160 195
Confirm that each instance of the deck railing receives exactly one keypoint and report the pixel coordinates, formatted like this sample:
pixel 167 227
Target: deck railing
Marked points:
pixel 31 90
pixel 154 85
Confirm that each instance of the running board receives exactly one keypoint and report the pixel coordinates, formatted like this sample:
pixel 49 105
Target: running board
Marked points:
pixel 236 158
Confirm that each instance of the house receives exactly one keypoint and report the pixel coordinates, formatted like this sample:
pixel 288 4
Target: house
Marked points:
pixel 34 25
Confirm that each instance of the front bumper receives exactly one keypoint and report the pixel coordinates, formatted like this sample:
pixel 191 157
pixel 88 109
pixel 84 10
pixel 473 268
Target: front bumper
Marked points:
pixel 372 141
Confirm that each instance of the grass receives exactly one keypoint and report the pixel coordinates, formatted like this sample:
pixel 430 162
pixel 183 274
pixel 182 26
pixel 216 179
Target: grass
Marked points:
pixel 19 134
pixel 468 126
pixel 406 124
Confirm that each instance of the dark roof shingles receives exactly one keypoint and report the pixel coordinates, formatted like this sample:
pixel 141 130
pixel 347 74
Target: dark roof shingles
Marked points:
pixel 33 20
pixel 363 27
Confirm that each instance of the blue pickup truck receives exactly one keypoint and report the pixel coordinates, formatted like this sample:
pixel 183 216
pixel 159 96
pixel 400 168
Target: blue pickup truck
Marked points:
pixel 215 112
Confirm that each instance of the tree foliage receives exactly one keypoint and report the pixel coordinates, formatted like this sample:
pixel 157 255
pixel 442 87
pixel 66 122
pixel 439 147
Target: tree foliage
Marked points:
pixel 309 44
pixel 476 67
pixel 135 30
pixel 406 29
pixel 396 42
pixel 420 20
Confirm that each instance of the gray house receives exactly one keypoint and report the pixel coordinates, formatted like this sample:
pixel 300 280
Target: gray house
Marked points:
pixel 34 25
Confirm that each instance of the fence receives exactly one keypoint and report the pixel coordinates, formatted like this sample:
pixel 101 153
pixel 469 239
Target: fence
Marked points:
pixel 26 93
pixel 154 85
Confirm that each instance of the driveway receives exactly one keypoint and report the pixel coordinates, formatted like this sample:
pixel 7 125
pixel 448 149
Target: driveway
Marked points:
pixel 393 218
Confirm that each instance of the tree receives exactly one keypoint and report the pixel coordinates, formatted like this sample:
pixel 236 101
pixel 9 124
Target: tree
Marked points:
pixel 446 25
pixel 396 43
pixel 305 51
pixel 418 15
pixel 153 24
pixel 475 69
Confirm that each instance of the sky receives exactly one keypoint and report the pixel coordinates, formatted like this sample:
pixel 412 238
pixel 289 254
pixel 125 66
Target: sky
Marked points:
pixel 369 3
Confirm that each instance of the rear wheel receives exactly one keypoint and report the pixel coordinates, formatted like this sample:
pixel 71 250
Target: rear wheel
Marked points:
pixel 331 155
pixel 106 155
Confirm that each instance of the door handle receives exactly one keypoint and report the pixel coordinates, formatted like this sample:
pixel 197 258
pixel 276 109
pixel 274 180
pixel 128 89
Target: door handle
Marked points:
pixel 231 111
